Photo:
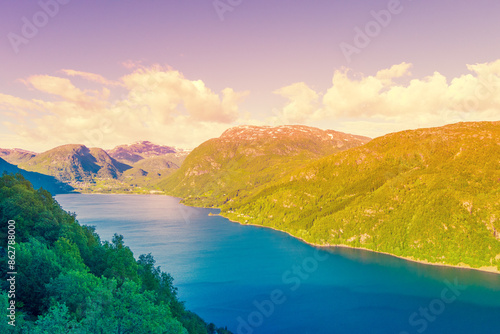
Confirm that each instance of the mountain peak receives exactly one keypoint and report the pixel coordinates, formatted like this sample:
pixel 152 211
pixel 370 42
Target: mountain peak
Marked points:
pixel 254 132
pixel 132 153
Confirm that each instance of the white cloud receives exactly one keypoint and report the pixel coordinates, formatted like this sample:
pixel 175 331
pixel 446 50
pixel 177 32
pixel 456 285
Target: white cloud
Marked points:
pixel 302 105
pixel 383 99
pixel 159 104
pixel 91 77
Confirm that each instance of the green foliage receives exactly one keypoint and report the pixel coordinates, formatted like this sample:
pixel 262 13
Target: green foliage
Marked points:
pixel 68 281
pixel 225 168
pixel 428 194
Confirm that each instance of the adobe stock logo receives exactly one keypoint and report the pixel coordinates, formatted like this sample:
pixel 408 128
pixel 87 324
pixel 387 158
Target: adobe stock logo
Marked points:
pixel 294 277
pixel 372 29
pixel 31 27
pixel 221 7
pixel 425 316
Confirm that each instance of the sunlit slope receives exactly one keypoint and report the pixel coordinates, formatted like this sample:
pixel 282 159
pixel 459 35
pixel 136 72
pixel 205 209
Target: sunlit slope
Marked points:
pixel 246 158
pixel 430 194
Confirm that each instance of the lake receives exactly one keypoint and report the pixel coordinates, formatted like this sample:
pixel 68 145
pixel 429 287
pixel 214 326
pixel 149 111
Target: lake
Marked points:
pixel 257 280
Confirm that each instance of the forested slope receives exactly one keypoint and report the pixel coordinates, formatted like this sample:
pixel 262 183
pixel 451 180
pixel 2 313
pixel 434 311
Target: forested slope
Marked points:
pixel 68 281
pixel 428 194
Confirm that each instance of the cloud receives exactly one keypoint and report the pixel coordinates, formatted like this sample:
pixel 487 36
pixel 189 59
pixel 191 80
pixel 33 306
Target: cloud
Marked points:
pixel 161 105
pixel 169 93
pixel 302 104
pixel 17 105
pixel 91 77
pixel 156 103
pixel 392 96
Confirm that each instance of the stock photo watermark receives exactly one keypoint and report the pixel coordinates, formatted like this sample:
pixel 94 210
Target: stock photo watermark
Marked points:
pixel 484 91
pixel 421 319
pixel 293 278
pixel 223 6
pixel 363 36
pixel 11 272
pixel 31 26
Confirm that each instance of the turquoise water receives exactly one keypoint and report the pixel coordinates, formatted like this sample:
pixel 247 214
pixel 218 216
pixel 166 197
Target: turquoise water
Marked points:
pixel 257 280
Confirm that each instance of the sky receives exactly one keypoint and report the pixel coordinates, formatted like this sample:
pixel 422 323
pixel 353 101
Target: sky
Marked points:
pixel 179 72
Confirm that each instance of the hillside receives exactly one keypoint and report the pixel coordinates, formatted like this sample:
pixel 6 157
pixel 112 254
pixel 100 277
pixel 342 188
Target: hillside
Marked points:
pixel 69 281
pixel 38 180
pixel 428 194
pixel 248 157
pixel 16 156
pixel 149 171
pixel 76 165
pixel 127 168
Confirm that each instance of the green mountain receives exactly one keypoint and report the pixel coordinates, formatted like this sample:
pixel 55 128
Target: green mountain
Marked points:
pixel 150 162
pixel 148 172
pixel 76 165
pixel 248 158
pixel 127 168
pixel 429 194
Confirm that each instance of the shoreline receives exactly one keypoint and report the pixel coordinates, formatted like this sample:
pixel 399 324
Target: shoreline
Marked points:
pixel 490 270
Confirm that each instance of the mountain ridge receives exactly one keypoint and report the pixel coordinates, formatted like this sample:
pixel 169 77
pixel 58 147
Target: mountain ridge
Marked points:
pixel 250 156
pixel 426 195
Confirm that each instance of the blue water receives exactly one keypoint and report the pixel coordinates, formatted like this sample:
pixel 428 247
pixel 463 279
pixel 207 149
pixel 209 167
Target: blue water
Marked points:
pixel 257 280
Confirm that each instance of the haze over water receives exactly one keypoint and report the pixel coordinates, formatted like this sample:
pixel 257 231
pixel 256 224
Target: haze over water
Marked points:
pixel 257 280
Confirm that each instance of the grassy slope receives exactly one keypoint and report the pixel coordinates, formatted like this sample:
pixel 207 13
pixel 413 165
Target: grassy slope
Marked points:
pixel 148 172
pixel 226 167
pixel 428 194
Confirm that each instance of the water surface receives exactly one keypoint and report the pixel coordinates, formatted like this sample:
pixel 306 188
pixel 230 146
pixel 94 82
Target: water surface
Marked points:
pixel 257 280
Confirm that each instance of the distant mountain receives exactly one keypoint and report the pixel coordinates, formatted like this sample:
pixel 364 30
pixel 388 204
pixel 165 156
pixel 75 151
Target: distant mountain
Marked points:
pixel 246 157
pixel 38 180
pixel 150 162
pixel 133 153
pixel 75 164
pixel 16 155
pixel 428 194
pixel 139 168
pixel 149 171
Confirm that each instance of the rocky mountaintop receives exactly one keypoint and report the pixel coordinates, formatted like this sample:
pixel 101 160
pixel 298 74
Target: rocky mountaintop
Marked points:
pixel 291 132
pixel 138 151
pixel 250 156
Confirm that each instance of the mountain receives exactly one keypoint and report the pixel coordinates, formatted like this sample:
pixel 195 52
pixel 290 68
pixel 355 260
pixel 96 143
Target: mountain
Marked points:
pixel 38 180
pixel 248 157
pixel 16 155
pixel 149 162
pixel 430 195
pixel 149 171
pixel 130 154
pixel 127 168
pixel 76 164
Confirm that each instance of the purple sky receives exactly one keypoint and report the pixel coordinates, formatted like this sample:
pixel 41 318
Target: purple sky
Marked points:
pixel 277 57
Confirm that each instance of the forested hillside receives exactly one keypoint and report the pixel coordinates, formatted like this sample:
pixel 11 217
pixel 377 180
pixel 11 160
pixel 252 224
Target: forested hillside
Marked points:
pixel 248 158
pixel 427 194
pixel 68 281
